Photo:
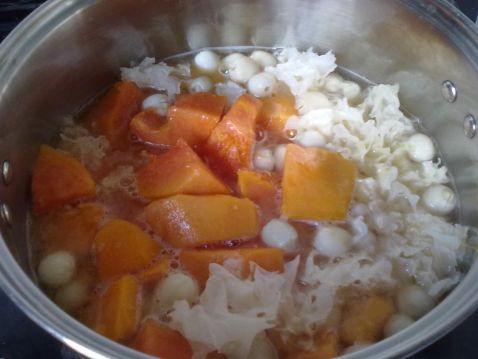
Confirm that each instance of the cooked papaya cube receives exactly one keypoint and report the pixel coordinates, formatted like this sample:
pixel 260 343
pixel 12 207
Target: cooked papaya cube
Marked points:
pixel 113 113
pixel 317 184
pixel 274 114
pixel 148 127
pixel 326 346
pixel 260 188
pixel 230 144
pixel 118 310
pixel 59 179
pixel 122 247
pixel 363 320
pixel 197 262
pixel 155 272
pixel 157 339
pixel 180 170
pixel 194 116
pixel 192 221
pixel 71 230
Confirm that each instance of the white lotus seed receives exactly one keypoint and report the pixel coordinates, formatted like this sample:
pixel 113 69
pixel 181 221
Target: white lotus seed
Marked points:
pixel 263 58
pixel 397 323
pixel 57 269
pixel 332 241
pixel 207 61
pixel 439 199
pixel 262 84
pixel 414 302
pixel 420 147
pixel 279 234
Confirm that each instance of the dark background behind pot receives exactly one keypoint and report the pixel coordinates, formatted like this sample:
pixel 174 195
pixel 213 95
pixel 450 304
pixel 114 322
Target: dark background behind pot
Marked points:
pixel 20 338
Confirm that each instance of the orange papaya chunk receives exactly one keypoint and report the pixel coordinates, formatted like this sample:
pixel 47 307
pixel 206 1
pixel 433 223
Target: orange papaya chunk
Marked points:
pixel 197 262
pixel 157 339
pixel 274 114
pixel 363 320
pixel 192 221
pixel 149 128
pixel 155 272
pixel 122 247
pixel 180 170
pixel 71 230
pixel 118 310
pixel 326 346
pixel 230 144
pixel 112 114
pixel 59 179
pixel 260 188
pixel 194 116
pixel 317 184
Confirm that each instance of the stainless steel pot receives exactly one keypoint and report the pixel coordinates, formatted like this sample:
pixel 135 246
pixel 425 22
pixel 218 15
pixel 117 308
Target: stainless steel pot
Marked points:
pixel 67 51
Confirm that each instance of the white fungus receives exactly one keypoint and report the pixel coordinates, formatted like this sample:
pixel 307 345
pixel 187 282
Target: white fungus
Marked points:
pixel 279 234
pixel 397 323
pixel 439 199
pixel 72 296
pixel 239 67
pixel 57 269
pixel 420 147
pixel 414 302
pixel 176 286
pixel 157 102
pixel 332 241
pixel 262 84
pixel 263 159
pixel 207 61
pixel 263 58
pixel 200 84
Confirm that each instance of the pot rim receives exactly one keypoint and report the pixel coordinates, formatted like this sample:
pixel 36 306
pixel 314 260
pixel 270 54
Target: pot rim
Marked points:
pixel 459 304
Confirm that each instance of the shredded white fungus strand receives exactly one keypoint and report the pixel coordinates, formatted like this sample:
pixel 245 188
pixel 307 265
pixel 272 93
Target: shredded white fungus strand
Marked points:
pixel 231 312
pixel 158 76
pixel 88 149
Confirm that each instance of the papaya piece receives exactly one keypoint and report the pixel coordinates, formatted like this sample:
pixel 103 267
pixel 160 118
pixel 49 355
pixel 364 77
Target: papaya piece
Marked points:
pixel 192 221
pixel 118 310
pixel 197 262
pixel 326 346
pixel 155 272
pixel 260 188
pixel 363 320
pixel 59 179
pixel 158 340
pixel 122 247
pixel 178 171
pixel 149 128
pixel 230 144
pixel 114 111
pixel 71 230
pixel 194 116
pixel 317 184
pixel 274 114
